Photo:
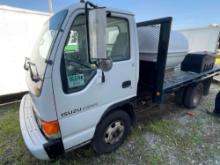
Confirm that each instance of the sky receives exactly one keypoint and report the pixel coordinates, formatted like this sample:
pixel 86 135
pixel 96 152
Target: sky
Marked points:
pixel 186 13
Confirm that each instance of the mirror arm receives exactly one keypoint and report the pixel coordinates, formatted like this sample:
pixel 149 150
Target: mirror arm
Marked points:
pixel 103 77
pixel 91 4
pixel 50 62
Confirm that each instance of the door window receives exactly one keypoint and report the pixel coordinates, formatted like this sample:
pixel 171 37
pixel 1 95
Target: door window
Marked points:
pixel 118 40
pixel 77 70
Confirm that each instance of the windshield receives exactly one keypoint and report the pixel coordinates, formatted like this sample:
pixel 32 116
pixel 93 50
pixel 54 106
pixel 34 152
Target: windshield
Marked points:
pixel 45 41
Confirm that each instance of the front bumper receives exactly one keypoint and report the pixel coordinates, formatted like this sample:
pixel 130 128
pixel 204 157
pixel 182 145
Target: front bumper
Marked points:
pixel 35 141
pixel 31 133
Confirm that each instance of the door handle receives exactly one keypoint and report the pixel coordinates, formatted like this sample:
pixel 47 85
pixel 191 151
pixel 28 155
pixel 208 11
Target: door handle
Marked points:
pixel 126 84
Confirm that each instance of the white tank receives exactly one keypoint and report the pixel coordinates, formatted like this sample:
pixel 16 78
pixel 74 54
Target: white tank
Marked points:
pixel 203 38
pixel 148 46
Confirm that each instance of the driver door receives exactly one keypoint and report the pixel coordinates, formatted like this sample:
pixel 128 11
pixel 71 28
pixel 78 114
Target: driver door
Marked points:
pixel 80 95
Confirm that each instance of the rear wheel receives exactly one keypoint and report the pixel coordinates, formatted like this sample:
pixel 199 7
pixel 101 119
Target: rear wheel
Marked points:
pixel 179 96
pixel 193 96
pixel 111 132
pixel 217 105
pixel 207 85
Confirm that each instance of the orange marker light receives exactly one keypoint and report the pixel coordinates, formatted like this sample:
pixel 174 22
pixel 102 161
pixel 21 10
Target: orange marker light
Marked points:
pixel 50 128
pixel 158 93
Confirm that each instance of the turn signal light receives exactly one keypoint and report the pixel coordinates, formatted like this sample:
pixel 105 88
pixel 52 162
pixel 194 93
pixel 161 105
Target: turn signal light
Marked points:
pixel 51 129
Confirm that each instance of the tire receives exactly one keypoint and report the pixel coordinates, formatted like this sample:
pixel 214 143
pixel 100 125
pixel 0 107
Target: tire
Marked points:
pixel 179 96
pixel 217 104
pixel 207 85
pixel 109 135
pixel 193 96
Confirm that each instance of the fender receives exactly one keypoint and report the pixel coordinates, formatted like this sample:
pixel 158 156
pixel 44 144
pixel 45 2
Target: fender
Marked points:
pixel 126 105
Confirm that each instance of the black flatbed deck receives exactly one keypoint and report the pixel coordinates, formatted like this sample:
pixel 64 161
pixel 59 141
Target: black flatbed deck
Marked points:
pixel 176 79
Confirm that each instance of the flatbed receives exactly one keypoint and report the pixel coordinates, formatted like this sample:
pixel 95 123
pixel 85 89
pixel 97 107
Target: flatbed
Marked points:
pixel 177 78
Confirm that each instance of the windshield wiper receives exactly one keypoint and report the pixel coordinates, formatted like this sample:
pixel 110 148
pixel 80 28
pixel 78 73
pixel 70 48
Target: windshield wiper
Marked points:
pixel 28 66
pixel 77 62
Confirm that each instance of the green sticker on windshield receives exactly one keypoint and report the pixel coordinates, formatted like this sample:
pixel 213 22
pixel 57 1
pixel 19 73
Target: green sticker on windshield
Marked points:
pixel 76 80
pixel 71 48
pixel 72 44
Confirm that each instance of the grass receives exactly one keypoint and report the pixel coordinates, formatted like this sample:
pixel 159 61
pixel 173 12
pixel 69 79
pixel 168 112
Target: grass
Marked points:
pixel 169 132
pixel 12 148
pixel 173 138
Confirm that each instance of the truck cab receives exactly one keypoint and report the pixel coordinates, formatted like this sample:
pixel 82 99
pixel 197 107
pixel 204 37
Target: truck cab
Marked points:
pixel 70 94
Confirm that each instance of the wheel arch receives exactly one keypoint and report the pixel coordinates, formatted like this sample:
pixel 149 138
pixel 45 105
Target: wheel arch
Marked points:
pixel 126 106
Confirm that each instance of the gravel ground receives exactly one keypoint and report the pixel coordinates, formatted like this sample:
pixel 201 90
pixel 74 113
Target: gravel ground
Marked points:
pixel 167 134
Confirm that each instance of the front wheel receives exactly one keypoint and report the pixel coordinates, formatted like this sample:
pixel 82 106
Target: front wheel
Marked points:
pixel 111 132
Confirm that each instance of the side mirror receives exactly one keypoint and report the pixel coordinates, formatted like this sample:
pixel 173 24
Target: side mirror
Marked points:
pixel 97 34
pixel 105 64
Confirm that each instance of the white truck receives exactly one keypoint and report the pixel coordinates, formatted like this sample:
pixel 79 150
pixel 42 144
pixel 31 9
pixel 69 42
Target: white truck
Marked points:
pixel 86 80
